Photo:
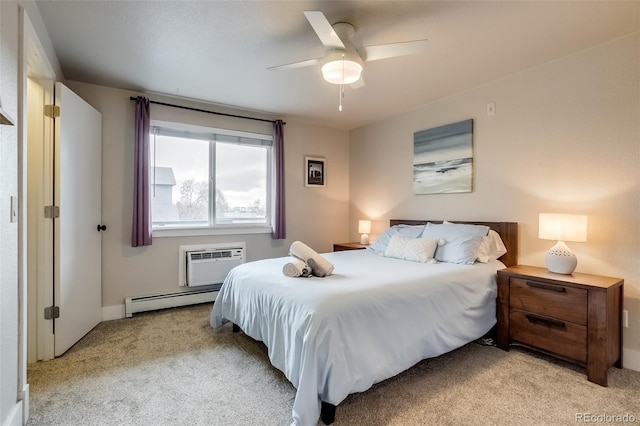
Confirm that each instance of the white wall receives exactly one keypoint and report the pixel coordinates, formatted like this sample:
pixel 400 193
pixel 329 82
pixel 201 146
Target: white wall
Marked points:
pixel 565 138
pixel 10 409
pixel 317 216
pixel 14 398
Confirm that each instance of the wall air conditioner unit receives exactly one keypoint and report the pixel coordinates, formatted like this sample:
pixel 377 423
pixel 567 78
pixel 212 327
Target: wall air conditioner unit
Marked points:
pixel 211 265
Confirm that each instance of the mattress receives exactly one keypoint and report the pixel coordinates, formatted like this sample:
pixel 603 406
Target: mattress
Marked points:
pixel 373 318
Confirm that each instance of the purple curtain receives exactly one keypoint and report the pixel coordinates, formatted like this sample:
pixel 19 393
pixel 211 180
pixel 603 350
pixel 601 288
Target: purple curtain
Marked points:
pixel 141 228
pixel 278 214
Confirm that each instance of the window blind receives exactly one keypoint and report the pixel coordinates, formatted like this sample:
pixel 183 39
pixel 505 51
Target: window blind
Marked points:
pixel 210 136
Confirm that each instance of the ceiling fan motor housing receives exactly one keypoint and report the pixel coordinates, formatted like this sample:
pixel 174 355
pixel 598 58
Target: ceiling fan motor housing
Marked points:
pixel 344 30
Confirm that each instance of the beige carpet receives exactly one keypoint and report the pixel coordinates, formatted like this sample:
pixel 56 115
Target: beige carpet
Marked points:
pixel 170 368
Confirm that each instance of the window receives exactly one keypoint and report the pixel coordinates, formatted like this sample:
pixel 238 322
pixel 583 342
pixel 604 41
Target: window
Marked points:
pixel 209 178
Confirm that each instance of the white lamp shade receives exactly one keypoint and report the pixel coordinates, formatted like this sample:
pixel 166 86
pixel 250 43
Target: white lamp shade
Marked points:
pixel 562 227
pixel 364 227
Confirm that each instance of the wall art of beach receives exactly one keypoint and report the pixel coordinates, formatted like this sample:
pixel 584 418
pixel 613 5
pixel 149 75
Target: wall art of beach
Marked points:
pixel 443 159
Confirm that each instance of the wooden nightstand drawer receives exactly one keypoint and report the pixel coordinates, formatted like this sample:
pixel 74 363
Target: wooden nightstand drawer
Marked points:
pixel 576 317
pixel 547 299
pixel 563 338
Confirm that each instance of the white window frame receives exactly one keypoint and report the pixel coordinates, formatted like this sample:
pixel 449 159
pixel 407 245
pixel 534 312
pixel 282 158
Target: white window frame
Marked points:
pixel 217 135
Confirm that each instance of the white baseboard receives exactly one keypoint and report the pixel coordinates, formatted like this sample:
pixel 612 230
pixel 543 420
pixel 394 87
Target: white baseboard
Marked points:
pixel 631 359
pixel 14 417
pixel 112 312
pixel 199 295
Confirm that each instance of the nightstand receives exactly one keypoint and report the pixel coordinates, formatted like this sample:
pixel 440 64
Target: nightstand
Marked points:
pixel 575 317
pixel 349 246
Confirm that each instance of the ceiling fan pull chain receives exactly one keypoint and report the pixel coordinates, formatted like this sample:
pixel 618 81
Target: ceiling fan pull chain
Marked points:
pixel 340 93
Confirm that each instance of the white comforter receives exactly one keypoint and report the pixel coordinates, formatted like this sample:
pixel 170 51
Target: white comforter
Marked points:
pixel 372 319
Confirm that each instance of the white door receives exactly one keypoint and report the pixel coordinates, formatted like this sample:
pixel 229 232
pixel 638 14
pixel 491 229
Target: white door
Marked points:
pixel 77 241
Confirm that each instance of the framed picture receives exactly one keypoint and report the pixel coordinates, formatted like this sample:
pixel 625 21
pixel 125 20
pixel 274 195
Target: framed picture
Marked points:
pixel 443 159
pixel 315 171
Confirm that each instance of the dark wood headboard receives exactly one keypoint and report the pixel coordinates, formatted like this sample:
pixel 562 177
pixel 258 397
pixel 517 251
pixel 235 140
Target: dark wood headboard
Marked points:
pixel 508 231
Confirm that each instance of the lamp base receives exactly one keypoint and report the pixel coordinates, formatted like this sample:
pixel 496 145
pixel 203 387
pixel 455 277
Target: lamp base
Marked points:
pixel 560 259
pixel 364 239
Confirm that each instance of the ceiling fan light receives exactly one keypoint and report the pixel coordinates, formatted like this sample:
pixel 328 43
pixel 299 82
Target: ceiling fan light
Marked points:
pixel 341 71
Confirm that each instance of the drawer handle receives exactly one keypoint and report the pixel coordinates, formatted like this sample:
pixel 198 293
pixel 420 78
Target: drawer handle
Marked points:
pixel 544 286
pixel 545 321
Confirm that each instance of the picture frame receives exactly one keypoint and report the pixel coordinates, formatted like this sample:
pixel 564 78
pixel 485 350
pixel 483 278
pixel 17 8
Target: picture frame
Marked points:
pixel 315 171
pixel 443 159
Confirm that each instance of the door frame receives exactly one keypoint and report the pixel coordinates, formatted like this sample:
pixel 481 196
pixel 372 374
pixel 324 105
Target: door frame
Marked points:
pixel 36 236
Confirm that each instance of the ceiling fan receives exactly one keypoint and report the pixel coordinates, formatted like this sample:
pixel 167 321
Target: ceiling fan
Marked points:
pixel 342 63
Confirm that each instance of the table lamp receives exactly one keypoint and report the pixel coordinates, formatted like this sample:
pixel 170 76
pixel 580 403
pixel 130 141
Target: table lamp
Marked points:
pixel 364 227
pixel 562 227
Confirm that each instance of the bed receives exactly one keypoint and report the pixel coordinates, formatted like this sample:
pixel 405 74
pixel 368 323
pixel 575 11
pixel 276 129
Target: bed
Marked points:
pixel 373 318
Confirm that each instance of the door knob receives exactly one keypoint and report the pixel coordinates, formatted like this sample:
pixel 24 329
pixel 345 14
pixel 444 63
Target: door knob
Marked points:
pixel 102 228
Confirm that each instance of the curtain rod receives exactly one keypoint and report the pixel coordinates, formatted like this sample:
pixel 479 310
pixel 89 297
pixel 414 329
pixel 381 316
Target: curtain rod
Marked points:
pixel 133 98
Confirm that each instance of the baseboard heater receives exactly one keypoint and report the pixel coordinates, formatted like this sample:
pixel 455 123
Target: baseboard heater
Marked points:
pixel 134 305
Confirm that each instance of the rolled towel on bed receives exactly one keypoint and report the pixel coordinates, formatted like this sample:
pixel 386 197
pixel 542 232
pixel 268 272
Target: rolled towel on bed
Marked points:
pixel 296 268
pixel 320 266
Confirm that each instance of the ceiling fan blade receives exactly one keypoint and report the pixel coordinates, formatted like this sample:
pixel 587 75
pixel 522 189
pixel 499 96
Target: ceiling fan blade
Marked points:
pixel 293 65
pixel 323 28
pixel 383 51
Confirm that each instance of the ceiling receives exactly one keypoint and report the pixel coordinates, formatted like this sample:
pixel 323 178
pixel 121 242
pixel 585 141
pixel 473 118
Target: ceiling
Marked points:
pixel 219 51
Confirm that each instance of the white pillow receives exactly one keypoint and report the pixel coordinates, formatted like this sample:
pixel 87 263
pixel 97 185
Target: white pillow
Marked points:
pixel 462 241
pixel 379 246
pixel 413 249
pixel 491 248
